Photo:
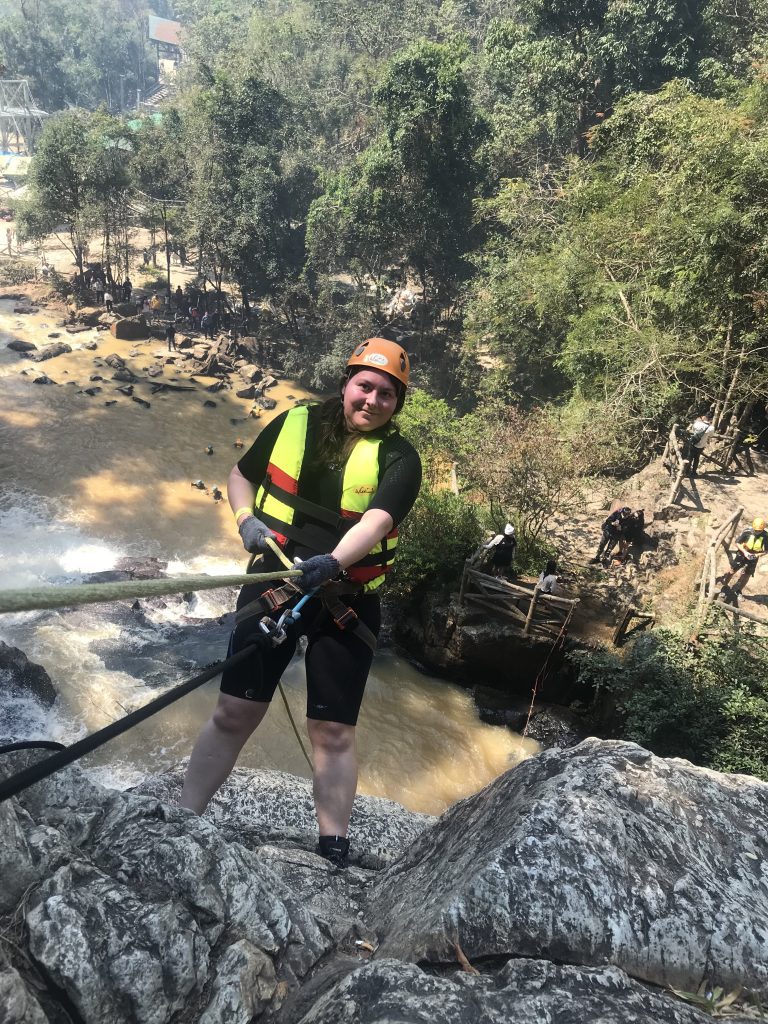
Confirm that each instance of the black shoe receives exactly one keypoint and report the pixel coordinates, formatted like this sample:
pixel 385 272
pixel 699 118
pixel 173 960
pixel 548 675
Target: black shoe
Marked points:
pixel 334 849
pixel 595 560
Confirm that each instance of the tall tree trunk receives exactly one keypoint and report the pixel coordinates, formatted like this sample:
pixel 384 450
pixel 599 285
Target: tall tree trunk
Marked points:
pixel 732 386
pixel 164 214
pixel 719 406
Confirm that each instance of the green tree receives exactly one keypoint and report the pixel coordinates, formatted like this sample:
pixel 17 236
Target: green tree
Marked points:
pixel 560 69
pixel 79 172
pixel 161 178
pixel 79 55
pixel 642 270
pixel 248 196
pixel 407 201
pixel 708 704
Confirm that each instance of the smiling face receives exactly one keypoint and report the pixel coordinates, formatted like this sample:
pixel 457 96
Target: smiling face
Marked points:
pixel 369 399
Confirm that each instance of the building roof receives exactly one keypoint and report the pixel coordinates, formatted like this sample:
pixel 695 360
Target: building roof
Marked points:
pixel 162 30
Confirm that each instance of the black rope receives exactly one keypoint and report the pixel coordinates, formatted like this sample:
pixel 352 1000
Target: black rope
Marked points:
pixel 66 755
pixel 32 745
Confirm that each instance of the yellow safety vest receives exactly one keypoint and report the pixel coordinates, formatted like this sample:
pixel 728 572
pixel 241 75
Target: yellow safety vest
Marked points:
pixel 279 504
pixel 756 542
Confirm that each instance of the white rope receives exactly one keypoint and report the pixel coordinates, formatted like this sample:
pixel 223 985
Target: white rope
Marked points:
pixel 41 598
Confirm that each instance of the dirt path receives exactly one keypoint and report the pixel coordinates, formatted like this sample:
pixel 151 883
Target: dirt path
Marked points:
pixel 664 582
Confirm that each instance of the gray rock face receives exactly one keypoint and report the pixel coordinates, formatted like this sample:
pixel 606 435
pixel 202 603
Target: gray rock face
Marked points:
pixel 572 882
pixel 522 992
pixel 599 854
pixel 16 867
pixel 19 345
pixel 17 1004
pixel 259 807
pixel 152 912
pixel 20 676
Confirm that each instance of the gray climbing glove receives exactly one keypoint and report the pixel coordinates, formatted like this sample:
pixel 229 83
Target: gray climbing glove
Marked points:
pixel 317 570
pixel 254 534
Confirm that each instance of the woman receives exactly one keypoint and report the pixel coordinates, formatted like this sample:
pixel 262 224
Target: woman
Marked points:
pixel 331 483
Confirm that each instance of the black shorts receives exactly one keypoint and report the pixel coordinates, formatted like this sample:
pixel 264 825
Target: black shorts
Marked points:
pixel 741 562
pixel 337 662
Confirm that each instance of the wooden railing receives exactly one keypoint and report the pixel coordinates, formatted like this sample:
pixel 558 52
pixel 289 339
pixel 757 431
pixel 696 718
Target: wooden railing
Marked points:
pixel 675 462
pixel 708 587
pixel 524 605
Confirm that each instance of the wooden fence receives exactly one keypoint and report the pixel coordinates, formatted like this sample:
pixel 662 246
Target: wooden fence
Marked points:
pixel 524 605
pixel 708 587
pixel 674 461
pixel 723 450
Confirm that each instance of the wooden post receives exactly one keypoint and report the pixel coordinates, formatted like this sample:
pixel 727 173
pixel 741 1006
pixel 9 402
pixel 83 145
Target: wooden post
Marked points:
pixel 463 581
pixel 531 610
pixel 739 612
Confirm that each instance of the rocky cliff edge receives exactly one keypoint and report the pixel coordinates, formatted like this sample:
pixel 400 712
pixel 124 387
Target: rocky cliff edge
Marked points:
pixel 583 885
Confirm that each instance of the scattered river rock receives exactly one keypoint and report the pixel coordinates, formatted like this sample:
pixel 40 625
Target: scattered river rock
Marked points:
pixel 20 675
pixel 18 345
pixel 57 349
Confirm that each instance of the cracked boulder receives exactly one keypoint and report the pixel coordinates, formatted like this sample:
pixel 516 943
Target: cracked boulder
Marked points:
pixel 598 854
pixel 521 992
pixel 153 913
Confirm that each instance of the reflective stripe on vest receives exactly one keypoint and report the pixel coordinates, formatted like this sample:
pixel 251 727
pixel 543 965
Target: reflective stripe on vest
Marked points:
pixel 284 466
pixel 359 484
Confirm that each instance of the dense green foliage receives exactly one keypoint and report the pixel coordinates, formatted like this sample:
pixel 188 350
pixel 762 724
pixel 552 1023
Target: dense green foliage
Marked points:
pixel 80 54
pixel 708 704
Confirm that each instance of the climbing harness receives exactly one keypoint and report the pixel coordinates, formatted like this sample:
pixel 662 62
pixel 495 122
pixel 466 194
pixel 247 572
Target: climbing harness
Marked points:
pixel 271 629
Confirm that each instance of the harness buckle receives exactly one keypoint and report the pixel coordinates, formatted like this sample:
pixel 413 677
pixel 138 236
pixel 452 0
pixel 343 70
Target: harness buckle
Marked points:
pixel 272 599
pixel 346 618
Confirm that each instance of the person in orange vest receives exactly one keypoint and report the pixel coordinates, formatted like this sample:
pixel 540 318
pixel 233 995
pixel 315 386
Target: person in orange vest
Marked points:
pixel 330 483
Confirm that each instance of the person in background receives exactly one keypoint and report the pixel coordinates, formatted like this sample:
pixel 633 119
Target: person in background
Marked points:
pixel 547 581
pixel 108 300
pixel 612 531
pixel 330 483
pixel 502 548
pixel 632 535
pixel 699 437
pixel 170 336
pixel 751 545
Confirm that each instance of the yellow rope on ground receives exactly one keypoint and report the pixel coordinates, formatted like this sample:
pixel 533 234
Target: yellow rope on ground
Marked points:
pixel 42 598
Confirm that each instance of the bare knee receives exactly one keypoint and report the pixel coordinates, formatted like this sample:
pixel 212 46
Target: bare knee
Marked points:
pixel 237 717
pixel 331 737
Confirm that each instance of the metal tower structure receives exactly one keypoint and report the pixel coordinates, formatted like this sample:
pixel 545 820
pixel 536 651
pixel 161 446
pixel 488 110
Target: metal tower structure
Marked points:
pixel 21 120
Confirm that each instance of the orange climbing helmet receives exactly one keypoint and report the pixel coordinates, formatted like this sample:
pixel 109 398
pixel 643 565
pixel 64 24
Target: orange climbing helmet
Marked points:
pixel 382 354
pixel 758 524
